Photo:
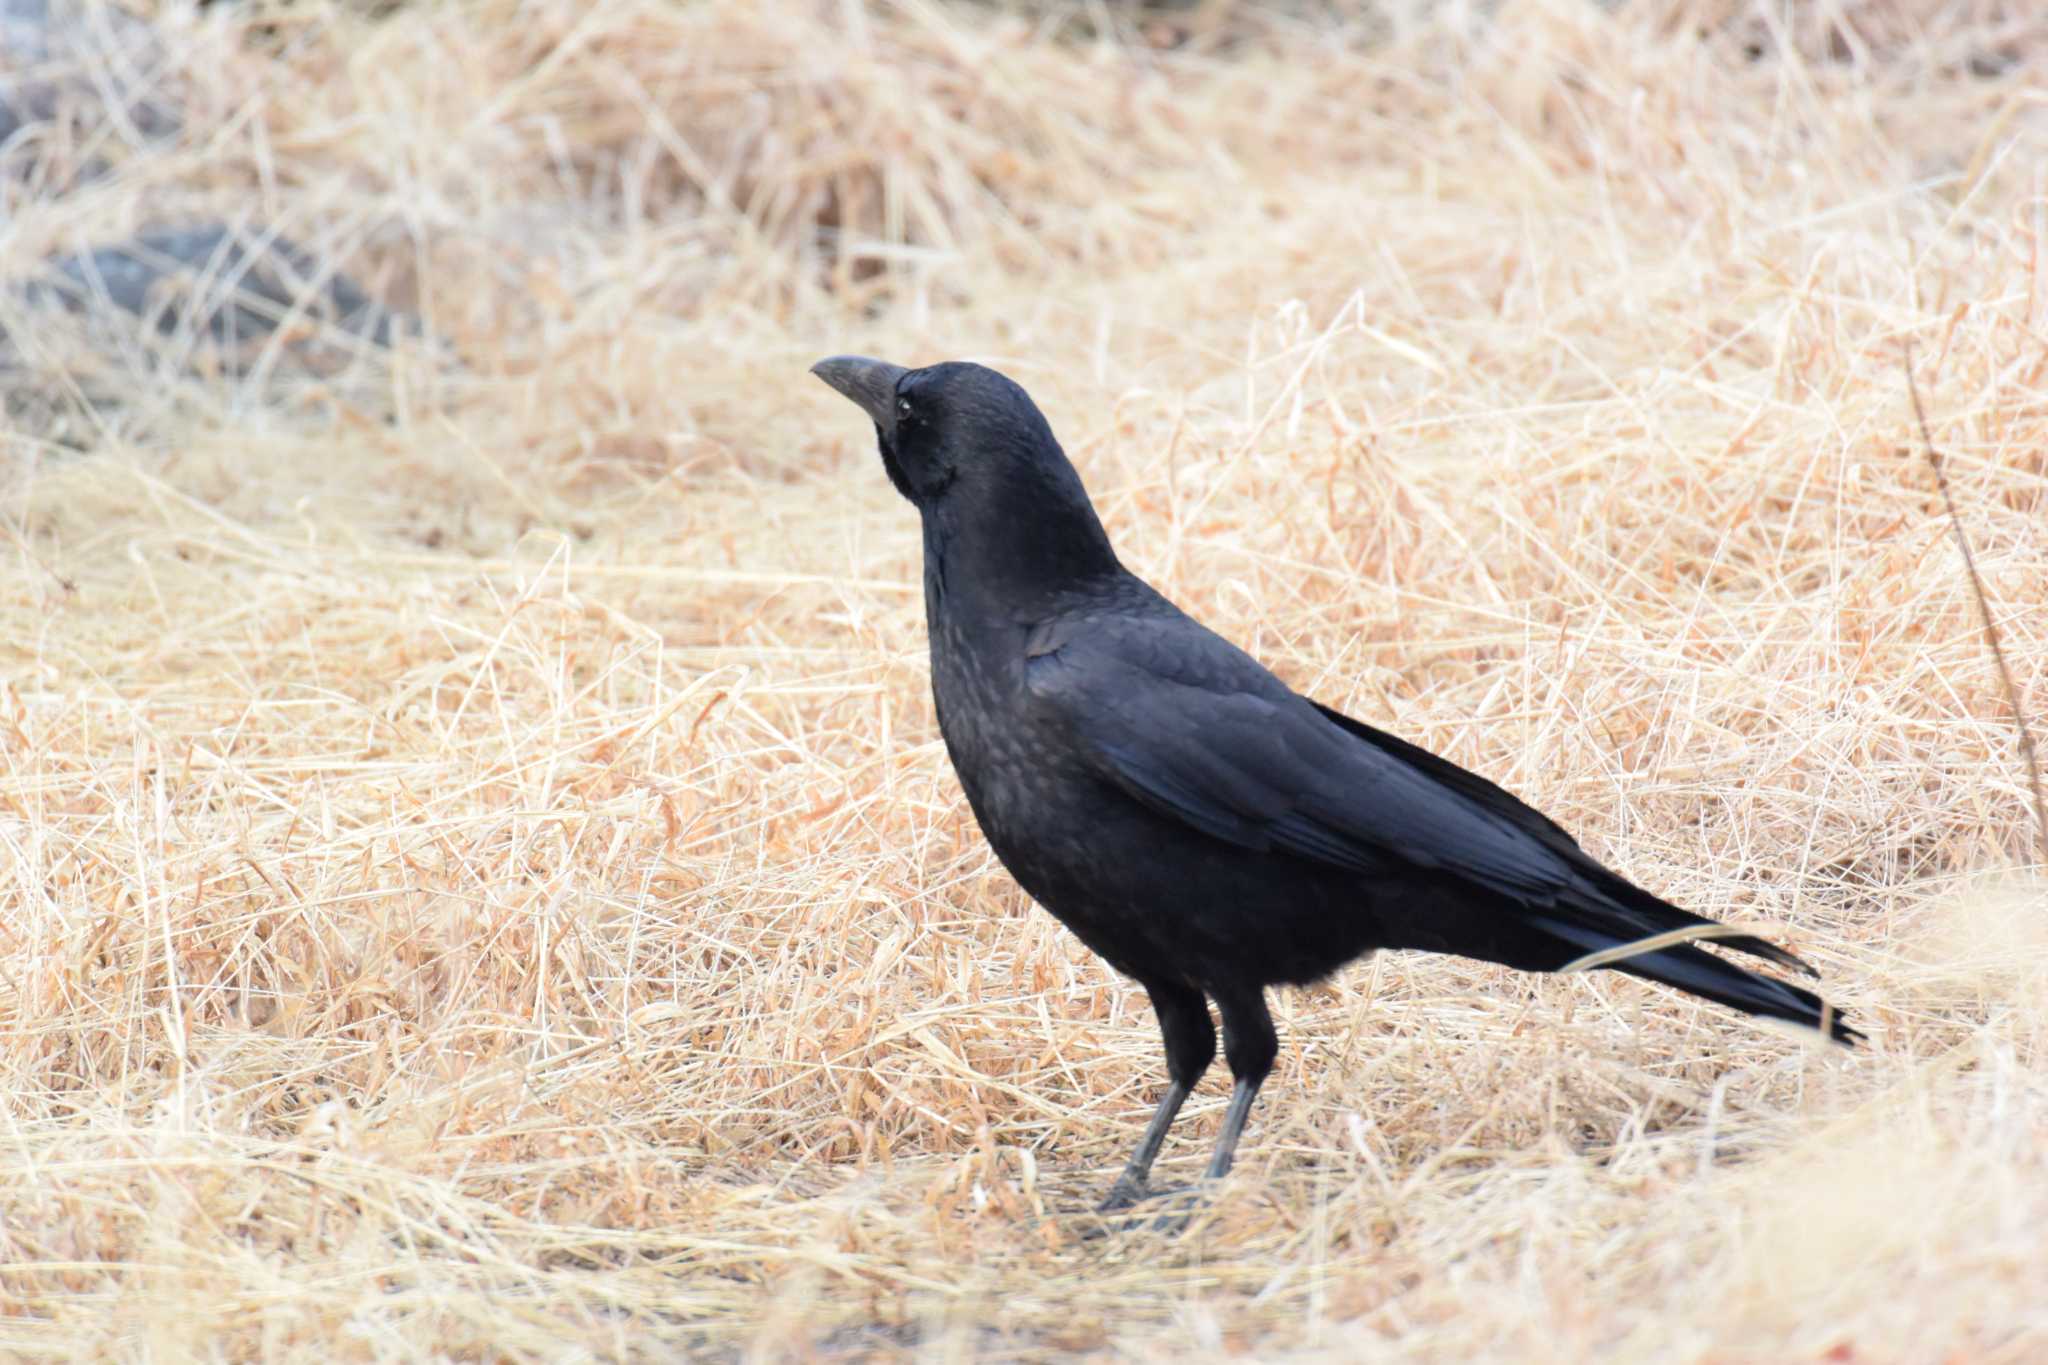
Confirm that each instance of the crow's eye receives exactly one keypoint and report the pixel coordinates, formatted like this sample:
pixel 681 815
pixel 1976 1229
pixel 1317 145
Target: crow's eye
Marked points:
pixel 903 409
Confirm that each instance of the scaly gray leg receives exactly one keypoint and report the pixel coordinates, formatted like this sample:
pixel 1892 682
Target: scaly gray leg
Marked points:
pixel 1131 1186
pixel 1249 1045
pixel 1190 1046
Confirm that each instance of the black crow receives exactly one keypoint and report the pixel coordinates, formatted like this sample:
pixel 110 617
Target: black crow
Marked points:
pixel 1206 830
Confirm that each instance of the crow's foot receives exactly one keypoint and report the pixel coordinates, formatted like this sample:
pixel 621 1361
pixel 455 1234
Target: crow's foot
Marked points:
pixel 1129 1207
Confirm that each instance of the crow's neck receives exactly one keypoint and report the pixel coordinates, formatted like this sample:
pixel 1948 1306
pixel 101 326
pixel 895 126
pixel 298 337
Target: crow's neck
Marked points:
pixel 1005 555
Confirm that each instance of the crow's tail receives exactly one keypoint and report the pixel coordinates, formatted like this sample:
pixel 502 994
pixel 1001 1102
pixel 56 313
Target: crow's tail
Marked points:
pixel 1709 977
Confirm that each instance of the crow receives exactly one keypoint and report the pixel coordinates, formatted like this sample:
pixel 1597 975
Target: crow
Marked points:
pixel 1199 825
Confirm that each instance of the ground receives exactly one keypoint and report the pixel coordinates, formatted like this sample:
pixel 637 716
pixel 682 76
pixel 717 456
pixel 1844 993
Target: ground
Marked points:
pixel 481 879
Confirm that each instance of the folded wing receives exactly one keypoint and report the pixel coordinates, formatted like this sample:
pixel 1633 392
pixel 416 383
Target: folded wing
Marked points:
pixel 1197 730
pixel 1268 770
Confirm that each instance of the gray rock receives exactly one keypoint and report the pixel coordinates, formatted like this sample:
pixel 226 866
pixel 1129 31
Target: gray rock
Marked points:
pixel 234 285
pixel 82 60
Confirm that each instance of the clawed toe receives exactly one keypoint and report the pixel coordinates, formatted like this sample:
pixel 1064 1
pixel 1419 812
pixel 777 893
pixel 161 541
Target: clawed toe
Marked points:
pixel 1122 1195
pixel 1166 1211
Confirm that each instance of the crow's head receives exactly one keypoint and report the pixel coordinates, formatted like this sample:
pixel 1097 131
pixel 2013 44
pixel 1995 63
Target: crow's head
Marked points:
pixel 973 452
pixel 949 430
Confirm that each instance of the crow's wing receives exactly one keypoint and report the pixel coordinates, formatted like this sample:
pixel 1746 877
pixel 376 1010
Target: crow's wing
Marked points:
pixel 1194 728
pixel 1464 781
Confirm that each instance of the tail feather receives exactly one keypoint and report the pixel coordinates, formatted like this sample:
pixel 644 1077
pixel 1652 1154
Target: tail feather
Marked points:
pixel 1712 978
pixel 1636 913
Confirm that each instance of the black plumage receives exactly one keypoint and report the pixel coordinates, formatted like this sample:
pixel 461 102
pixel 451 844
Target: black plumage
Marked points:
pixel 1206 830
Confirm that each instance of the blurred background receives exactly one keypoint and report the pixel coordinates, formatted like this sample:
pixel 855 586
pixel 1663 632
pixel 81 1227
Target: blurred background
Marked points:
pixel 478 873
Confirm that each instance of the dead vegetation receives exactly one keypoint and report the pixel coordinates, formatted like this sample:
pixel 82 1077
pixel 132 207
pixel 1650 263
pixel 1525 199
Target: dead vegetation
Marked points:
pixel 480 876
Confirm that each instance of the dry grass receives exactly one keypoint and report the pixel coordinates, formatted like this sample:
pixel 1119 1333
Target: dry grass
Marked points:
pixel 480 876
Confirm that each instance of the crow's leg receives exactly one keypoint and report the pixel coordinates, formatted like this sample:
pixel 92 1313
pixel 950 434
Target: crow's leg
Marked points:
pixel 1190 1047
pixel 1249 1045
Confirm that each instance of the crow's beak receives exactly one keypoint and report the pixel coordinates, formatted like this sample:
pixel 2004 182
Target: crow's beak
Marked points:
pixel 869 383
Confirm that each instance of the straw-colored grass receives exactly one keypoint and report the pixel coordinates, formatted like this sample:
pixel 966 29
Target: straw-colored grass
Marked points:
pixel 481 879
